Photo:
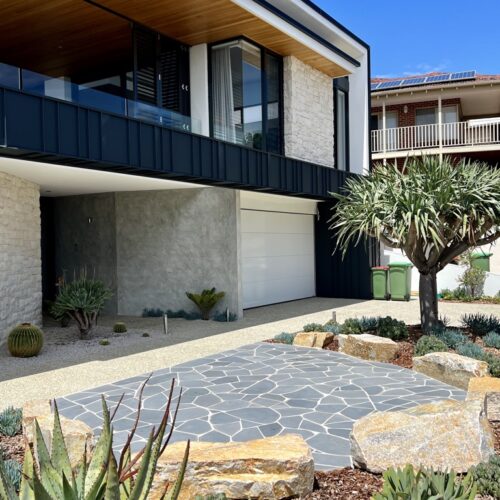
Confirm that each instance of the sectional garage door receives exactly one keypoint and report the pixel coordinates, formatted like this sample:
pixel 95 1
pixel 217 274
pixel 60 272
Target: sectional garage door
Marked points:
pixel 277 256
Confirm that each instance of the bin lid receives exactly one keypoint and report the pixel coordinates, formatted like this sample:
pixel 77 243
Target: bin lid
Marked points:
pixel 400 264
pixel 383 268
pixel 476 255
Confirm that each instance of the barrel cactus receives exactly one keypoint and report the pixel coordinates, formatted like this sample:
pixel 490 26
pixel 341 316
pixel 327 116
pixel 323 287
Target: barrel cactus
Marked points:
pixel 25 340
pixel 119 327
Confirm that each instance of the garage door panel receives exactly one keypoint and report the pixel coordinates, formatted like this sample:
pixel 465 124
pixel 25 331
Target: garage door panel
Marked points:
pixel 276 222
pixel 266 244
pixel 277 251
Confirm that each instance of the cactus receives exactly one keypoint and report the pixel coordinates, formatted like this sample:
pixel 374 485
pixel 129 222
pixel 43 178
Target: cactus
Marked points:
pixel 104 342
pixel 119 327
pixel 10 421
pixel 104 476
pixel 25 340
pixel 146 334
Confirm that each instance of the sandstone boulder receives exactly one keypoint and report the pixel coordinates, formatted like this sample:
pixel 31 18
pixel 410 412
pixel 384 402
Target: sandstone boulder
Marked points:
pixel 271 468
pixel 443 435
pixel 367 346
pixel 450 368
pixel 488 389
pixel 78 436
pixel 313 339
pixel 35 408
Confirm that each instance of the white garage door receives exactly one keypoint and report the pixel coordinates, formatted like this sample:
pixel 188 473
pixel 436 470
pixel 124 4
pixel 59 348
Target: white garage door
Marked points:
pixel 277 257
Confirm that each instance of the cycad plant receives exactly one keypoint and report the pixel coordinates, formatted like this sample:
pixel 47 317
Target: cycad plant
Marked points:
pixel 104 477
pixel 206 300
pixel 82 299
pixel 432 209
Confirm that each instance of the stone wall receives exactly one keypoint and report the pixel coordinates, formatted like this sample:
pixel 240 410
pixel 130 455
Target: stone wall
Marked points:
pixel 85 239
pixel 170 242
pixel 151 247
pixel 20 254
pixel 308 112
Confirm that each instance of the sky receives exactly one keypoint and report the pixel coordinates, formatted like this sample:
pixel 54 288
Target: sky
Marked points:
pixel 414 37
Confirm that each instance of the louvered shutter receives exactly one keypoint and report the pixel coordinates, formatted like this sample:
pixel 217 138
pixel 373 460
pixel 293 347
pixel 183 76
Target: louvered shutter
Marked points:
pixel 146 72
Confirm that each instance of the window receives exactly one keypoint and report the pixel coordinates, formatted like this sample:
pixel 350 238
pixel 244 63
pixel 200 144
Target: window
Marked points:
pixel 425 116
pixel 246 95
pixel 341 123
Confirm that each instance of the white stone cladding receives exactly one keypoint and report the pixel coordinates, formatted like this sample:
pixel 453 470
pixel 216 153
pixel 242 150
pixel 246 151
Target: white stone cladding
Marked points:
pixel 20 254
pixel 308 112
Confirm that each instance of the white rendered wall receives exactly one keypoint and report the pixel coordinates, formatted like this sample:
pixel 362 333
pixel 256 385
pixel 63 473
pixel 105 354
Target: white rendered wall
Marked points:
pixel 198 71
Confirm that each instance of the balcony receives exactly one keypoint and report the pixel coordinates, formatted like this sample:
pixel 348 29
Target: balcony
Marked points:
pixel 54 121
pixel 446 138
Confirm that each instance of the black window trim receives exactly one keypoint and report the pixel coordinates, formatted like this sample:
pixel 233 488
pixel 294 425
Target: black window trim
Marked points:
pixel 263 52
pixel 341 85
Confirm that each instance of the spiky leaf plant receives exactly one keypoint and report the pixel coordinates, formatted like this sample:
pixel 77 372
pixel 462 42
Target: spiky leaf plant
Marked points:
pixel 433 209
pixel 51 476
pixel 206 300
pixel 82 299
pixel 11 420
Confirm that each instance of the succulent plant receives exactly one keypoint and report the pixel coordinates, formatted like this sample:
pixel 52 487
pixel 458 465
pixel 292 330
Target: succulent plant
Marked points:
pixel 452 338
pixel 145 334
pixel 313 327
pixel 104 342
pixel 25 340
pixel 480 324
pixel 152 312
pixel 217 496
pixel 205 301
pixel 392 328
pixel 471 350
pixel 351 326
pixel 11 469
pixel 429 343
pixel 52 477
pixel 369 323
pixel 487 476
pixel 285 338
pixel 11 421
pixel 119 327
pixel 492 340
pixel 425 484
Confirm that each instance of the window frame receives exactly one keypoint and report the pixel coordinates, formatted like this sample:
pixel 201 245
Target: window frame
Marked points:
pixel 263 52
pixel 341 85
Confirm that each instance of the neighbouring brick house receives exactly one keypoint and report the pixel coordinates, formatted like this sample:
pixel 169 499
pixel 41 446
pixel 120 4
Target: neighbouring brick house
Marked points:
pixel 455 114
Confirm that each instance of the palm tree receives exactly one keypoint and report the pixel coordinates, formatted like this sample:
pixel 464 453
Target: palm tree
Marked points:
pixel 432 209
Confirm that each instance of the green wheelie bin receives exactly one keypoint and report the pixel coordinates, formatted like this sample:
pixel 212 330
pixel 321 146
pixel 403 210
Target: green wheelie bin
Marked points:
pixel 380 289
pixel 481 260
pixel 400 280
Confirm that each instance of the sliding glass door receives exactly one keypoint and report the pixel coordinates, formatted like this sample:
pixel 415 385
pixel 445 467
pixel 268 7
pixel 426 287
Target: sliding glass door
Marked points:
pixel 246 95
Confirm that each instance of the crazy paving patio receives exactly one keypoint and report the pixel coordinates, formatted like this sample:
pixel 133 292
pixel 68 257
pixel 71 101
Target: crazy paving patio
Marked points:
pixel 262 390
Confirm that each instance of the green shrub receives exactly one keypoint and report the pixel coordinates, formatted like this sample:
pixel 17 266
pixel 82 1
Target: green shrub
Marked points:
pixel 181 313
pixel 334 328
pixel 429 343
pixel 473 279
pixel 205 301
pixel 82 299
pixel 392 328
pixel 480 324
pixel 224 317
pixel 104 342
pixel 452 338
pixel 10 421
pixel 11 469
pixel 119 327
pixel 313 327
pixel 152 313
pixel 493 364
pixel 351 326
pixel 492 340
pixel 105 475
pixel 369 323
pixel 285 338
pixel 487 477
pixel 471 350
pixel 425 484
pixel 330 322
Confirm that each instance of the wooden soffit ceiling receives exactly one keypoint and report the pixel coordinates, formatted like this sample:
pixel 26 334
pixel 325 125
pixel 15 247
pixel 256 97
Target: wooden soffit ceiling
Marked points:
pixel 207 21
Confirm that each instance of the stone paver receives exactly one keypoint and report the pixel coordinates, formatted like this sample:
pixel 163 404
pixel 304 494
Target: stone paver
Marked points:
pixel 262 390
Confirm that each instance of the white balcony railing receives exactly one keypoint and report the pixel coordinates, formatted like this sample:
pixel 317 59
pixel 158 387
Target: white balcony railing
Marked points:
pixel 459 134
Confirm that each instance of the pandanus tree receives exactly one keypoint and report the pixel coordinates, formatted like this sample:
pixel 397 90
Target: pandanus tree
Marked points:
pixel 432 209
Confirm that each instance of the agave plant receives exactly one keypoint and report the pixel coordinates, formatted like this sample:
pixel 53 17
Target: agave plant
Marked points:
pixel 425 484
pixel 51 477
pixel 206 300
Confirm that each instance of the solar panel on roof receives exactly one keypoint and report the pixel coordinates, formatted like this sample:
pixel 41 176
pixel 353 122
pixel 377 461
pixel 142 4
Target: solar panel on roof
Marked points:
pixel 388 85
pixel 374 85
pixel 463 75
pixel 413 81
pixel 438 78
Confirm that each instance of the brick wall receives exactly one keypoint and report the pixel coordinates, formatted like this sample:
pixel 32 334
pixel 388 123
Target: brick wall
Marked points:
pixel 20 254
pixel 408 119
pixel 308 112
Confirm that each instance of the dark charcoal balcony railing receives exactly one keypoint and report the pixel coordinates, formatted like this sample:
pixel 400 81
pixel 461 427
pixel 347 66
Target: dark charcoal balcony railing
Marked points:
pixel 41 121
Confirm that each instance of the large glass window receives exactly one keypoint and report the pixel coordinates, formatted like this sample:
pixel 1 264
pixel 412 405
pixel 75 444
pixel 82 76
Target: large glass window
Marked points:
pixel 246 95
pixel 341 125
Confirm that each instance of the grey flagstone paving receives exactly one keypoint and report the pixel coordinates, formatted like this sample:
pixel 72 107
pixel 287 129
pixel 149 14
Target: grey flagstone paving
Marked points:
pixel 262 390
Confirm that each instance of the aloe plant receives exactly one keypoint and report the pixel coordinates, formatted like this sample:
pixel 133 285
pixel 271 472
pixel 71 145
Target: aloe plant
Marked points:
pixel 104 477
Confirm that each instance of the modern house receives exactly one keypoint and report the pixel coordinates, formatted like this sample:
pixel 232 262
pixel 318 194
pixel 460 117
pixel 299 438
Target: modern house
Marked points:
pixel 173 146
pixel 454 114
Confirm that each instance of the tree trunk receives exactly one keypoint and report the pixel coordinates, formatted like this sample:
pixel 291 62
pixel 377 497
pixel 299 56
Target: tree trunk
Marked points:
pixel 428 300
